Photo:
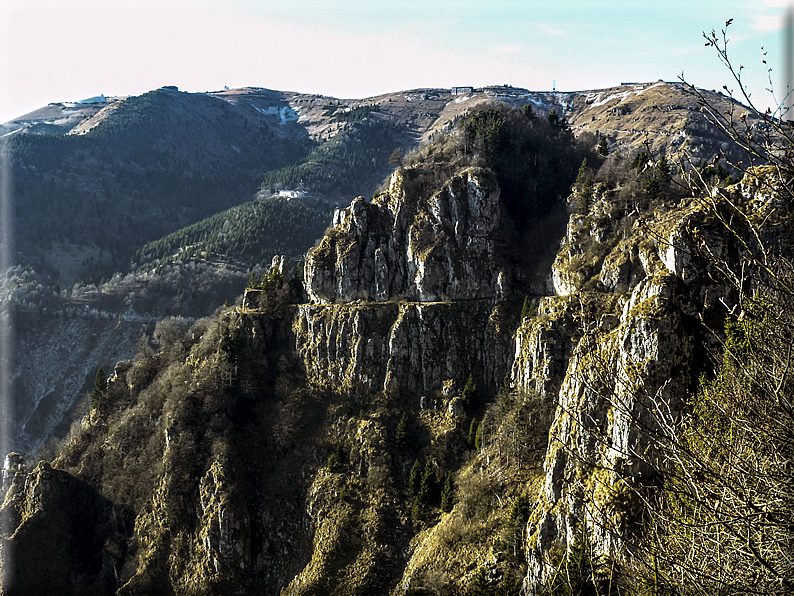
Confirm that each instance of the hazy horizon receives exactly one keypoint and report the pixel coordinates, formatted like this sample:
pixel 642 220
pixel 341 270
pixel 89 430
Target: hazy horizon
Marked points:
pixel 53 51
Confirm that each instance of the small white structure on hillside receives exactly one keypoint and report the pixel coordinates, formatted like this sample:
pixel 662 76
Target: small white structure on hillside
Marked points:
pixel 292 194
pixel 92 100
pixel 99 100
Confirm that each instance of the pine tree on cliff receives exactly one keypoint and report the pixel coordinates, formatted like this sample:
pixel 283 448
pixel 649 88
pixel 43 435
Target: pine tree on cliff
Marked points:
pixel 512 538
pixel 448 495
pixel 527 309
pixel 580 574
pixel 428 490
pixel 100 389
pixel 469 395
pixel 402 435
pixel 470 442
pixel 416 509
pixel 584 186
pixel 415 476
pixel 603 148
pixel 336 459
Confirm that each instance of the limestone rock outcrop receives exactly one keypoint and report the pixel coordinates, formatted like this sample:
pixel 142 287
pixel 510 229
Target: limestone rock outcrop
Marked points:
pixel 621 342
pixel 620 370
pixel 225 526
pixel 404 289
pixel 408 347
pixel 413 247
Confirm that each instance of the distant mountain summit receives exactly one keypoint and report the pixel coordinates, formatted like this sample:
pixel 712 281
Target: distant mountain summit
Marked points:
pixel 624 112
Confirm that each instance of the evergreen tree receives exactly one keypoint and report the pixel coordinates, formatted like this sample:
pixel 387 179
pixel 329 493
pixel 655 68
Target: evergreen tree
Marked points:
pixel 472 440
pixel 512 538
pixel 428 489
pixel 469 395
pixel 448 495
pixel 100 381
pixel 478 438
pixel 586 196
pixel 402 435
pixel 582 174
pixel 486 131
pixel 663 166
pixel 478 586
pixel 229 346
pixel 580 573
pixel 99 395
pixel 509 586
pixel 640 159
pixel 527 310
pixel 416 510
pixel 507 385
pixel 584 186
pixel 603 148
pixel 336 459
pixel 652 187
pixel 415 476
pixel 333 462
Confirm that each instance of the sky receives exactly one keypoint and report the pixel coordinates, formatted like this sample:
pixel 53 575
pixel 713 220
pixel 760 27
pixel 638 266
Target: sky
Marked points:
pixel 56 50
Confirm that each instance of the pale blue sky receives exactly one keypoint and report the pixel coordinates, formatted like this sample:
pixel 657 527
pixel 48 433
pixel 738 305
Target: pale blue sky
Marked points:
pixel 60 51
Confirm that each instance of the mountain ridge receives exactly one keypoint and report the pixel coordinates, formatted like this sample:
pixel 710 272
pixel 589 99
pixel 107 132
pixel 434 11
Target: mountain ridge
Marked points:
pixel 90 210
pixel 312 438
pixel 102 198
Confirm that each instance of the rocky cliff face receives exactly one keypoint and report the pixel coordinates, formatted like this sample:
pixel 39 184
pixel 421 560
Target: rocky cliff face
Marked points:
pixel 616 344
pixel 624 365
pixel 423 276
pixel 621 344
pixel 272 449
pixel 409 247
pixel 409 348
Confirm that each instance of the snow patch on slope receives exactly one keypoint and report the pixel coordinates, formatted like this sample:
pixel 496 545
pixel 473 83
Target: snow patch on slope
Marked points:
pixel 284 113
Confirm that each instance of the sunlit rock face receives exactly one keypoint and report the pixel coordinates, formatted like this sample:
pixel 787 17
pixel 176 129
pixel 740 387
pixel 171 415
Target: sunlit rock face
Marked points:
pixel 622 368
pixel 403 289
pixel 619 344
pixel 407 246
